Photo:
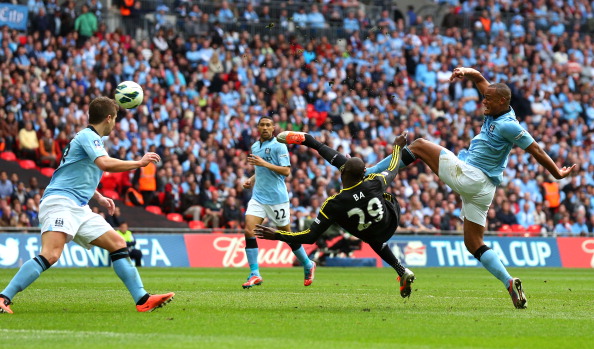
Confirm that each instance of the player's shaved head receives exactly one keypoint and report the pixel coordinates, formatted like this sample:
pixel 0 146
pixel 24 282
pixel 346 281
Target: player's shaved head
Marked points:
pixel 353 171
pixel 502 91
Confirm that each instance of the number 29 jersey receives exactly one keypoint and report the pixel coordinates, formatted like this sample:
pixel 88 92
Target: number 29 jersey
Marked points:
pixel 364 210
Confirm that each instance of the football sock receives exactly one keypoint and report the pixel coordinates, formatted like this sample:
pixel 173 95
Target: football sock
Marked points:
pixel 493 264
pixel 301 255
pixel 312 142
pixel 122 265
pixel 384 251
pixel 251 251
pixel 407 158
pixel 28 273
pixel 332 156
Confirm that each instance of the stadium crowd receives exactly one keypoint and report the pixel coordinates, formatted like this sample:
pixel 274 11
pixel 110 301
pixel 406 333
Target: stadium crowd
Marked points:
pixel 206 87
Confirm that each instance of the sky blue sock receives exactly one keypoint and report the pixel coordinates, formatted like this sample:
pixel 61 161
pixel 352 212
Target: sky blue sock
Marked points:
pixel 493 264
pixel 28 273
pixel 252 257
pixel 129 275
pixel 302 257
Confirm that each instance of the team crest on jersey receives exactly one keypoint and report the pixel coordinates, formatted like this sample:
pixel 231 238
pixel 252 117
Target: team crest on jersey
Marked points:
pixel 97 144
pixel 267 150
pixel 59 222
pixel 492 128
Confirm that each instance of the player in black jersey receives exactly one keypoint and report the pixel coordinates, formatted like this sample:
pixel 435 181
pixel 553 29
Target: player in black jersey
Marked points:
pixel 362 208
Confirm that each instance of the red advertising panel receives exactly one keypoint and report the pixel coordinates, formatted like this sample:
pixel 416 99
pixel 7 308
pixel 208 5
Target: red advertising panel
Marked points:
pixel 227 250
pixel 576 252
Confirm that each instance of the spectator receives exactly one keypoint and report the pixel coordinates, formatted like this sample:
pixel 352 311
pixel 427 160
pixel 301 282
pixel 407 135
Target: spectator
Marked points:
pixel 505 214
pixel 133 197
pixel 213 211
pixel 232 215
pixel 85 25
pixel 28 142
pixel 47 150
pixel 6 187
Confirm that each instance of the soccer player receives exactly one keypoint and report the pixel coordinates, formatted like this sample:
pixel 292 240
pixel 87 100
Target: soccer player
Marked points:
pixel 270 199
pixel 362 208
pixel 475 173
pixel 65 215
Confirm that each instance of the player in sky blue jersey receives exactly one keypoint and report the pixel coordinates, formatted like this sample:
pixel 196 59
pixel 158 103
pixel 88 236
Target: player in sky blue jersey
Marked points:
pixel 270 199
pixel 474 174
pixel 64 213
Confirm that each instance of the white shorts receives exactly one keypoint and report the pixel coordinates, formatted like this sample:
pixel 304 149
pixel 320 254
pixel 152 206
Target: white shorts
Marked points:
pixel 59 213
pixel 474 187
pixel 279 215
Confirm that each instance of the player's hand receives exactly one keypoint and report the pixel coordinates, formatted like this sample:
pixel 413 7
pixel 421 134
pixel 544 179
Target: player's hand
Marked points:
pixel 148 158
pixel 565 171
pixel 108 204
pixel 255 160
pixel 458 73
pixel 264 232
pixel 401 139
pixel 248 184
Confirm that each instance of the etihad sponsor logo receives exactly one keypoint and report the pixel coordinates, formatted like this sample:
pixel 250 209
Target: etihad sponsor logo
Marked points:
pixel 234 252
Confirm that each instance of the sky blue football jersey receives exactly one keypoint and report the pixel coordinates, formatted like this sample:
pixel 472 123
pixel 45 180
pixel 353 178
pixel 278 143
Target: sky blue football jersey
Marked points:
pixel 489 150
pixel 78 176
pixel 270 188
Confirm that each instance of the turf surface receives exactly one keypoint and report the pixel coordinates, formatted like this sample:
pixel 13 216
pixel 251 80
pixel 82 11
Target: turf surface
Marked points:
pixel 344 308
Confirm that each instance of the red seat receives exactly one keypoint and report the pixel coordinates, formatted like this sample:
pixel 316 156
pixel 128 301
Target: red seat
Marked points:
pixel 112 194
pixel 197 225
pixel 518 228
pixel 176 217
pixel 533 230
pixel 154 209
pixel 27 164
pixel 47 171
pixel 504 230
pixel 8 156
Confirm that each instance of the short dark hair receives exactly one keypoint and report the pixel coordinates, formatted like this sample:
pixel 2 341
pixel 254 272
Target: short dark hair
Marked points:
pixel 354 169
pixel 502 90
pixel 266 117
pixel 100 107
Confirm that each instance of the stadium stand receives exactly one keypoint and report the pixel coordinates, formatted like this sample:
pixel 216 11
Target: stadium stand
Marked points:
pixel 209 73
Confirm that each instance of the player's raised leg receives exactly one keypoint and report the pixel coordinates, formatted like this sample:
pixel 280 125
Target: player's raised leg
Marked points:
pixel 127 272
pixel 332 156
pixel 251 249
pixel 405 275
pixel 52 245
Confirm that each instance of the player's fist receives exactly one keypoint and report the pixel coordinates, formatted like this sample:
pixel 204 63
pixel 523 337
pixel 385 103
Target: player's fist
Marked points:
pixel 401 139
pixel 458 73
pixel 248 184
pixel 148 158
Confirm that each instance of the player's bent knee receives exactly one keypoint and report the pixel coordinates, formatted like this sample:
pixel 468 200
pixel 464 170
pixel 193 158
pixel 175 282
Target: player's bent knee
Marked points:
pixel 52 256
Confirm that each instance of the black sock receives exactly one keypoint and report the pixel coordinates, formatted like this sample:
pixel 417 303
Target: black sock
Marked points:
pixel 384 251
pixel 332 156
pixel 407 156
pixel 45 265
pixel 312 142
pixel 143 300
pixel 251 243
pixel 479 253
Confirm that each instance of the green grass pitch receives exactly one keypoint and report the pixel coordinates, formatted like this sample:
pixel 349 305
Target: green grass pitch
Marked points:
pixel 344 308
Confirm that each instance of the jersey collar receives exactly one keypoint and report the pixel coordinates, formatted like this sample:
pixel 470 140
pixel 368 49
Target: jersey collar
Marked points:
pixel 93 129
pixel 349 188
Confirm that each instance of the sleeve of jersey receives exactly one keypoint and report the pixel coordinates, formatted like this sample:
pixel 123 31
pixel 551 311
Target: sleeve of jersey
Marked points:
pixel 93 146
pixel 380 166
pixel 516 134
pixel 308 236
pixel 282 154
pixel 386 177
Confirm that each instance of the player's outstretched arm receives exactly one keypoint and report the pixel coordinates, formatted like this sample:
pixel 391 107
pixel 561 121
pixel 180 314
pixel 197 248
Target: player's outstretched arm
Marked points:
pixel 472 74
pixel 545 160
pixel 308 236
pixel 109 164
pixel 390 173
